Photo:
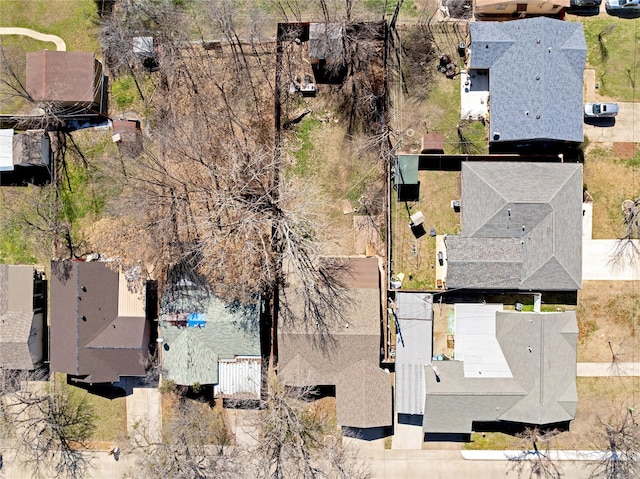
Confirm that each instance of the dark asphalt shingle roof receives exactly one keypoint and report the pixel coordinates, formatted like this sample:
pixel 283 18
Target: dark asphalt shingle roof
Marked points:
pixel 88 337
pixel 521 227
pixel 536 75
pixel 351 360
pixel 18 324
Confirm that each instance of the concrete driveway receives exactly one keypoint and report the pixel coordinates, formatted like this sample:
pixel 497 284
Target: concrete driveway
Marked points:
pixel 625 129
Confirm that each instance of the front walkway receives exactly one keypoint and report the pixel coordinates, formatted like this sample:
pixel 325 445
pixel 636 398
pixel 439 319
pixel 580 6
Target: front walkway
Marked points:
pixel 43 37
pixel 144 413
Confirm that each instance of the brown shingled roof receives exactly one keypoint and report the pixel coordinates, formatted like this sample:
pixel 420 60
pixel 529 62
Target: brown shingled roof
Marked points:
pixel 88 338
pixel 351 360
pixel 65 77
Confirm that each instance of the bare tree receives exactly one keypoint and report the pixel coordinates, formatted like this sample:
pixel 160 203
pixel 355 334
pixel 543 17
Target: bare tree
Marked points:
pixel 294 442
pixel 195 444
pixel 209 185
pixel 618 437
pixel 52 424
pixel 627 250
pixel 536 463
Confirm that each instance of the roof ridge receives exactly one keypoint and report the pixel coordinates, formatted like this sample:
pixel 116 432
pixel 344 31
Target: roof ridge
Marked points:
pixel 471 168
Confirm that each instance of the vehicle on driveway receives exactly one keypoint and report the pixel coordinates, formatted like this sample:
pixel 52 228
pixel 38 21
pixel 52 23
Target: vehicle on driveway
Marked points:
pixel 617 7
pixel 600 110
pixel 585 3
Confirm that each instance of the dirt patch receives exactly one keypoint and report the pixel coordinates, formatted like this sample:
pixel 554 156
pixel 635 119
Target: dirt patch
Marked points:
pixel 610 180
pixel 608 316
pixel 598 399
pixel 625 150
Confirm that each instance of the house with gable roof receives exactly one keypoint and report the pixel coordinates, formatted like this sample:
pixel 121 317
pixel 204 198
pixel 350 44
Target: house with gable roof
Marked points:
pixel 521 228
pixel 528 377
pixel 100 322
pixel 208 341
pixel 349 360
pixel 73 82
pixel 535 68
pixel 23 307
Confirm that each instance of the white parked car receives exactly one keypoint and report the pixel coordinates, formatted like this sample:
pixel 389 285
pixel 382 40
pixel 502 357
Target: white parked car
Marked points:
pixel 600 110
pixel 623 6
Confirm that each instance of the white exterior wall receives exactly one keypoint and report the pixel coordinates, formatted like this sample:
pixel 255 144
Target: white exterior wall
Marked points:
pixel 240 377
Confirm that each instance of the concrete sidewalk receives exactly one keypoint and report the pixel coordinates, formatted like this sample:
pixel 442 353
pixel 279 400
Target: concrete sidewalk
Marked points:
pixel 608 369
pixel 43 37
pixel 597 262
pixel 144 413
pixel 589 85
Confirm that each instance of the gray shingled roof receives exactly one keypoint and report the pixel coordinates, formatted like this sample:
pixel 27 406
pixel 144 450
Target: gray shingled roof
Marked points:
pixel 536 70
pixel 351 360
pixel 541 351
pixel 190 354
pixel 18 324
pixel 498 201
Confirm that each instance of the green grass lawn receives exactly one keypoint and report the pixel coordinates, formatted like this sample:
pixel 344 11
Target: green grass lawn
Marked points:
pixel 75 21
pixel 416 257
pixel 611 42
pixel 111 414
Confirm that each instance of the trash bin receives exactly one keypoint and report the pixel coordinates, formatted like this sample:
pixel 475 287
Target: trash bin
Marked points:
pixel 462 49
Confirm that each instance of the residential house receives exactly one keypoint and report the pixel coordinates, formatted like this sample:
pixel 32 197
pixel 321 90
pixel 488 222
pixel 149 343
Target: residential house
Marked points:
pixel 23 310
pixel 209 341
pixel 521 228
pixel 100 321
pixel 516 367
pixel 71 81
pixel 512 9
pixel 349 359
pixel 25 158
pixel 535 75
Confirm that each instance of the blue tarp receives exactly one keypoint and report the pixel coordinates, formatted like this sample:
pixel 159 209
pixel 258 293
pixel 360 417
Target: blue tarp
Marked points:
pixel 196 320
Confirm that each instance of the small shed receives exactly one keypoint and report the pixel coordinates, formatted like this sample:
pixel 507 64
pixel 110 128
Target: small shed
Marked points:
pixel 326 52
pixel 24 157
pixel 325 41
pixel 406 178
pixel 433 143
pixel 128 136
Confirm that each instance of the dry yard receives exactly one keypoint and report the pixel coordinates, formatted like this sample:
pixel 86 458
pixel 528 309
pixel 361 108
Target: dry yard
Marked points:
pixel 608 317
pixel 611 178
pixel 416 257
